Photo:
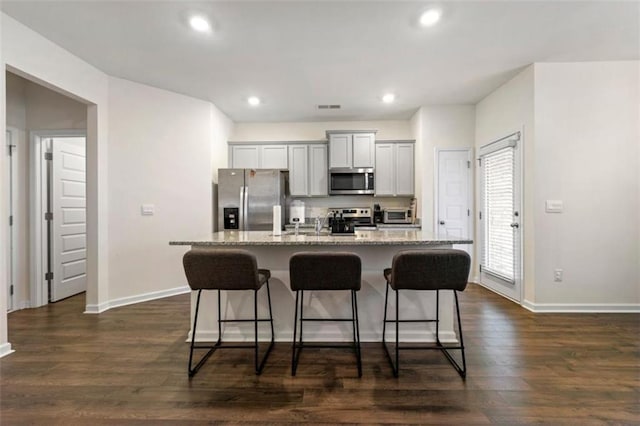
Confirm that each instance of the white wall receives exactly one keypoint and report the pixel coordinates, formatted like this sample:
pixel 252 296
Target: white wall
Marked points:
pixel 160 153
pixel 30 55
pixel 507 110
pixel 31 107
pixel 390 129
pixel 450 126
pixel 586 154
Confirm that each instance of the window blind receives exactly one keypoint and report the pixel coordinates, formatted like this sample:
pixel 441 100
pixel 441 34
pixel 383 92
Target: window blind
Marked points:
pixel 497 195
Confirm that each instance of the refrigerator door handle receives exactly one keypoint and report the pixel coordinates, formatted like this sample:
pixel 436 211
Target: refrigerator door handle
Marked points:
pixel 245 208
pixel 242 212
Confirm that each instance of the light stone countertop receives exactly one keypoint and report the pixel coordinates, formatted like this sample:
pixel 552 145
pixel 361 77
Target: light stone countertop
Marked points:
pixel 309 238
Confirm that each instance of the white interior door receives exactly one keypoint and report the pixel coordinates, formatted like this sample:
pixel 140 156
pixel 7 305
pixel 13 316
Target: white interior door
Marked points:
pixel 68 200
pixel 454 192
pixel 501 217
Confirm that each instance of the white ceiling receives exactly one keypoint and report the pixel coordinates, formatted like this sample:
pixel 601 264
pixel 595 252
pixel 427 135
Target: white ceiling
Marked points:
pixel 296 55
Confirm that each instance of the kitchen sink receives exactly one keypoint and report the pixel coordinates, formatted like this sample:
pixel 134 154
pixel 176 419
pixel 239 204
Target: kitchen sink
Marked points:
pixel 323 233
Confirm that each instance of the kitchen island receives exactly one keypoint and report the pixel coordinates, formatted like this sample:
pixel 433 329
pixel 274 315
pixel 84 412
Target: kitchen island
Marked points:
pixel 376 250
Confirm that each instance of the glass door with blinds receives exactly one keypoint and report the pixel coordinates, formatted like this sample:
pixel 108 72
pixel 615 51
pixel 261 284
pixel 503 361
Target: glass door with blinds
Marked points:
pixel 500 217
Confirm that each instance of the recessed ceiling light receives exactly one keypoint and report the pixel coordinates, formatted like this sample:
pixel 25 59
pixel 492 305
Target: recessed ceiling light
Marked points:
pixel 200 23
pixel 430 17
pixel 254 101
pixel 388 98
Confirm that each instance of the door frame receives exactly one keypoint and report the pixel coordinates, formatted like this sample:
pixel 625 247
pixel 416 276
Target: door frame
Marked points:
pixel 12 174
pixel 39 250
pixel 498 286
pixel 436 178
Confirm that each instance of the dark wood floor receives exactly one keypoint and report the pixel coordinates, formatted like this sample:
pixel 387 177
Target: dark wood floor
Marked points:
pixel 128 365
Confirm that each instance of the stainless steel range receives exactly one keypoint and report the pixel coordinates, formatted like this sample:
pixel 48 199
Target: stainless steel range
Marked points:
pixel 356 216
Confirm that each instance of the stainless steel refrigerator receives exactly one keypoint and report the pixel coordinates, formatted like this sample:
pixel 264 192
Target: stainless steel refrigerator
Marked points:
pixel 246 198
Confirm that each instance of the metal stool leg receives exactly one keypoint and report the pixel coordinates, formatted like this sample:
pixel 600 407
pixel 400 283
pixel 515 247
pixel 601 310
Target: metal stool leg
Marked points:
pixel 193 370
pixel 394 366
pixel 260 366
pixel 297 348
pixel 356 331
pixel 462 371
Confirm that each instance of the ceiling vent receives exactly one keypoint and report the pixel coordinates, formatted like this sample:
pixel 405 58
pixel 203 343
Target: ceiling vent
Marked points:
pixel 329 106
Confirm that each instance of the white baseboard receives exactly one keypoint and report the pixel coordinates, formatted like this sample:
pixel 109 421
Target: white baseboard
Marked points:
pixel 238 336
pixel 130 300
pixel 582 307
pixel 5 349
pixel 25 304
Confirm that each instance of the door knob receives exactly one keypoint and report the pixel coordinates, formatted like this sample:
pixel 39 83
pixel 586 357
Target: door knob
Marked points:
pixel 442 222
pixel 515 225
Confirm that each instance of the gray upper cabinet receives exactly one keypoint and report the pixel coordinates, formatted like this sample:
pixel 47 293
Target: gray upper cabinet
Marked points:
pixel 347 150
pixel 263 156
pixel 308 170
pixel 394 173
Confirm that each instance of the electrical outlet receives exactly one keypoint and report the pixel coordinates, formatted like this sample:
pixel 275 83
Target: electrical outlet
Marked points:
pixel 557 275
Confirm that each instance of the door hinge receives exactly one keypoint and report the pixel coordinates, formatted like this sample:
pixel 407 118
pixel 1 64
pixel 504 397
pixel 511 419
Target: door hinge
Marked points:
pixel 11 220
pixel 11 148
pixel 480 268
pixel 468 164
pixel 48 276
pixel 468 212
pixel 479 162
pixel 48 155
pixel 480 215
pixel 48 216
pixel 11 290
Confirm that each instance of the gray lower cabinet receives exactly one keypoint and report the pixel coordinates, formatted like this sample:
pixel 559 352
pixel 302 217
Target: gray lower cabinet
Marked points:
pixel 264 156
pixel 394 172
pixel 308 170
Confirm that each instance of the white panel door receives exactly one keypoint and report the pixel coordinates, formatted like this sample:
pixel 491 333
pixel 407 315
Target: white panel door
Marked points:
pixel 318 182
pixel 454 192
pixel 68 198
pixel 500 217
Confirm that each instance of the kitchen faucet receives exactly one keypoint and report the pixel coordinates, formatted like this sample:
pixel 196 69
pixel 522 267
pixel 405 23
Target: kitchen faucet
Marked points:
pixel 321 222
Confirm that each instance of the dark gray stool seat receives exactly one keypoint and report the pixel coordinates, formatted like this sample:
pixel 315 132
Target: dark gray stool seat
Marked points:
pixel 226 269
pixel 319 271
pixel 435 270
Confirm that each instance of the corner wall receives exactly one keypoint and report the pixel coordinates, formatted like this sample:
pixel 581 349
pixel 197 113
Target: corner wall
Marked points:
pixel 161 154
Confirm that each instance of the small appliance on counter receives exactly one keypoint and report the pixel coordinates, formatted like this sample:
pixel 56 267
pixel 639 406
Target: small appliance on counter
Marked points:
pixel 377 214
pixel 296 212
pixel 397 215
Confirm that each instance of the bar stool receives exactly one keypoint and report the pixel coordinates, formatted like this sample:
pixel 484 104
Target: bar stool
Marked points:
pixel 226 269
pixel 325 271
pixel 437 269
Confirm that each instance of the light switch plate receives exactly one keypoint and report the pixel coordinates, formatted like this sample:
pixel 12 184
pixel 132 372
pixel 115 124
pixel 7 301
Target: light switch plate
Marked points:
pixel 553 206
pixel 147 209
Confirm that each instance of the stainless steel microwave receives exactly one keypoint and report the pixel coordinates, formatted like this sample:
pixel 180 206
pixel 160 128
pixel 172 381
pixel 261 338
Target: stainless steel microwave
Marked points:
pixel 350 181
pixel 397 216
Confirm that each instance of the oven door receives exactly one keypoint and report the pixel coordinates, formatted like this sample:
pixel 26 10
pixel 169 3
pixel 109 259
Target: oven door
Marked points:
pixel 351 182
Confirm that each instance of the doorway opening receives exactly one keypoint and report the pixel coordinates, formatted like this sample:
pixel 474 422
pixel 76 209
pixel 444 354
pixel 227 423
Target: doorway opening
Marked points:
pixel 500 216
pixel 47 259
